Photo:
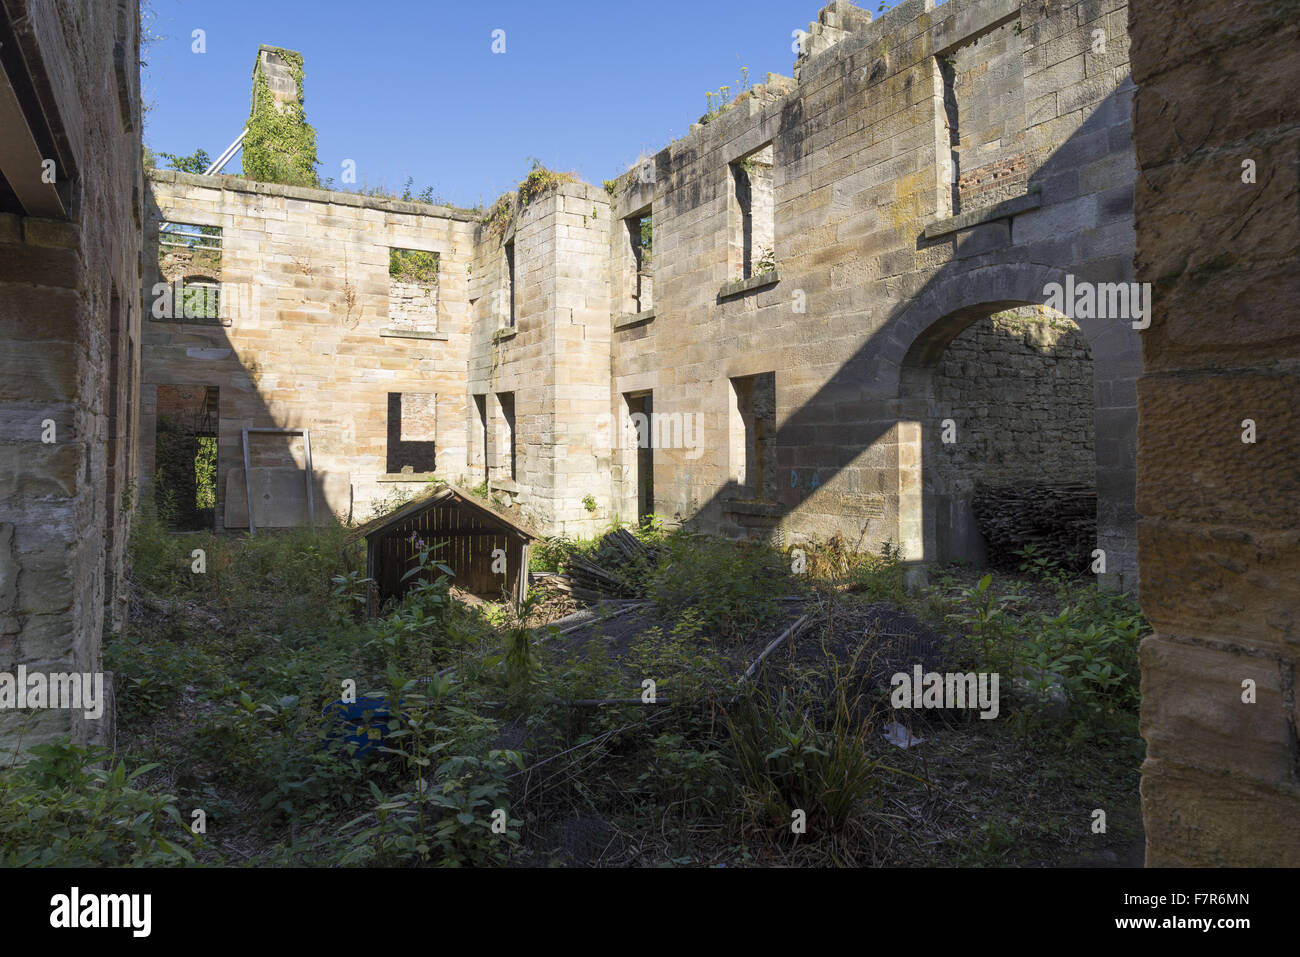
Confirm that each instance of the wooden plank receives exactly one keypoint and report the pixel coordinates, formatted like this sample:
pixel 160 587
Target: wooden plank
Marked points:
pixel 522 585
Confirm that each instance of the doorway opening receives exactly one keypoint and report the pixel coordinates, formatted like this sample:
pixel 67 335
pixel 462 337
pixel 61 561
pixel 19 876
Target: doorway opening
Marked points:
pixel 185 463
pixel 1007 451
pixel 640 412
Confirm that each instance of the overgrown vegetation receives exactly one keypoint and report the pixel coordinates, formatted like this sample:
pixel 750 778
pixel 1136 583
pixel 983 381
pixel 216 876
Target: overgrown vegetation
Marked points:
pixel 185 474
pixel 539 181
pixel 280 145
pixel 62 810
pixel 720 101
pixel 409 193
pixel 476 739
pixel 413 265
pixel 728 586
pixel 196 162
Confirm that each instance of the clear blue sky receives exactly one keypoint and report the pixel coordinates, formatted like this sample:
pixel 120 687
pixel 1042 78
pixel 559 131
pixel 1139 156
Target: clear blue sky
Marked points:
pixel 412 88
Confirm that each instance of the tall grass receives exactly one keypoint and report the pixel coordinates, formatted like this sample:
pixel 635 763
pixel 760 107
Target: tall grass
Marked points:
pixel 793 753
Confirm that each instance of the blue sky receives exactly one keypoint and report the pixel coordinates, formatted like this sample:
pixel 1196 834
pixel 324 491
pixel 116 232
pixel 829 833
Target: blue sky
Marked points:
pixel 412 87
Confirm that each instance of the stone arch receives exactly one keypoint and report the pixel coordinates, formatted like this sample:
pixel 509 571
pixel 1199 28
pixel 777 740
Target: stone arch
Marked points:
pixel 923 331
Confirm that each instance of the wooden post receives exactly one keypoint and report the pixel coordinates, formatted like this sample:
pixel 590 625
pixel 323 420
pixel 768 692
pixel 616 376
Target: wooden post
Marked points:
pixel 372 585
pixel 521 590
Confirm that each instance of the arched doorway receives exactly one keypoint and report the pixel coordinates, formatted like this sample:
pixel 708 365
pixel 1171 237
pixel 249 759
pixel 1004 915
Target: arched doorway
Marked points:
pixel 927 500
pixel 1008 454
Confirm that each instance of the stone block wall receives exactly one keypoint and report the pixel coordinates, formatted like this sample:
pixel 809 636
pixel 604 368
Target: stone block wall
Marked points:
pixel 307 339
pixel 554 360
pixel 512 293
pixel 413 306
pixel 888 124
pixel 874 274
pixel 1217 213
pixel 1018 387
pixel 69 343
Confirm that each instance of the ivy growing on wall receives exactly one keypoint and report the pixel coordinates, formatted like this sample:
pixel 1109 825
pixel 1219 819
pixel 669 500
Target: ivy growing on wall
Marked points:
pixel 280 146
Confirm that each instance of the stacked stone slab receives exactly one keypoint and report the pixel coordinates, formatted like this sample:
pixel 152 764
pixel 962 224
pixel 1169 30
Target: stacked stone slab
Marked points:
pixel 1218 226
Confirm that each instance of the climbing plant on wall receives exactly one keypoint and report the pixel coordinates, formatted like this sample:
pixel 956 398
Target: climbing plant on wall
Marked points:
pixel 280 146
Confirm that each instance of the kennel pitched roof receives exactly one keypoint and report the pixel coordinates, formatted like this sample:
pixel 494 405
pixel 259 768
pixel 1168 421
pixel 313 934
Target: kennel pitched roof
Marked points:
pixel 444 495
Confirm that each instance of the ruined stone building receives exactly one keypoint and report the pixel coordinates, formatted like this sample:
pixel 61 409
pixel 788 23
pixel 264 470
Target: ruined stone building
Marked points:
pixel 776 294
pixel 840 305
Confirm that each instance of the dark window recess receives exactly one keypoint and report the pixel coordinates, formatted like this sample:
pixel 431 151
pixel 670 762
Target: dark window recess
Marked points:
pixel 643 404
pixel 185 456
pixel 638 258
pixel 481 440
pixel 752 215
pixel 412 428
pixel 507 400
pixel 753 435
pixel 509 305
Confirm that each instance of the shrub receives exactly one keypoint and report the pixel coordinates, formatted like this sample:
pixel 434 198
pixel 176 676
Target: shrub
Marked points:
pixel 687 774
pixel 729 586
pixel 453 806
pixel 1089 647
pixel 61 810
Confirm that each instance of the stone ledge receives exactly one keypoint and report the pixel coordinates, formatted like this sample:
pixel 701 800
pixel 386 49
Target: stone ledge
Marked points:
pixel 405 477
pixel 214 323
pixel 413 334
pixel 1003 210
pixel 759 509
pixel 501 335
pixel 504 485
pixel 310 194
pixel 742 286
pixel 629 319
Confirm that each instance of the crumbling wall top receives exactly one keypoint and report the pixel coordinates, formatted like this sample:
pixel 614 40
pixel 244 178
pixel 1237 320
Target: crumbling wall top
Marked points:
pixel 311 194
pixel 834 22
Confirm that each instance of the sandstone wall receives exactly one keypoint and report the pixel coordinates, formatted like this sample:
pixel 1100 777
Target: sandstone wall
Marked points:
pixel 308 340
pixel 920 173
pixel 1019 388
pixel 69 346
pixel 554 360
pixel 1220 529
pixel 874 274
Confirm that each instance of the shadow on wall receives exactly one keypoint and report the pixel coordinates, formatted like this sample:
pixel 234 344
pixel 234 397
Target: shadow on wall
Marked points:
pixel 197 393
pixel 883 396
